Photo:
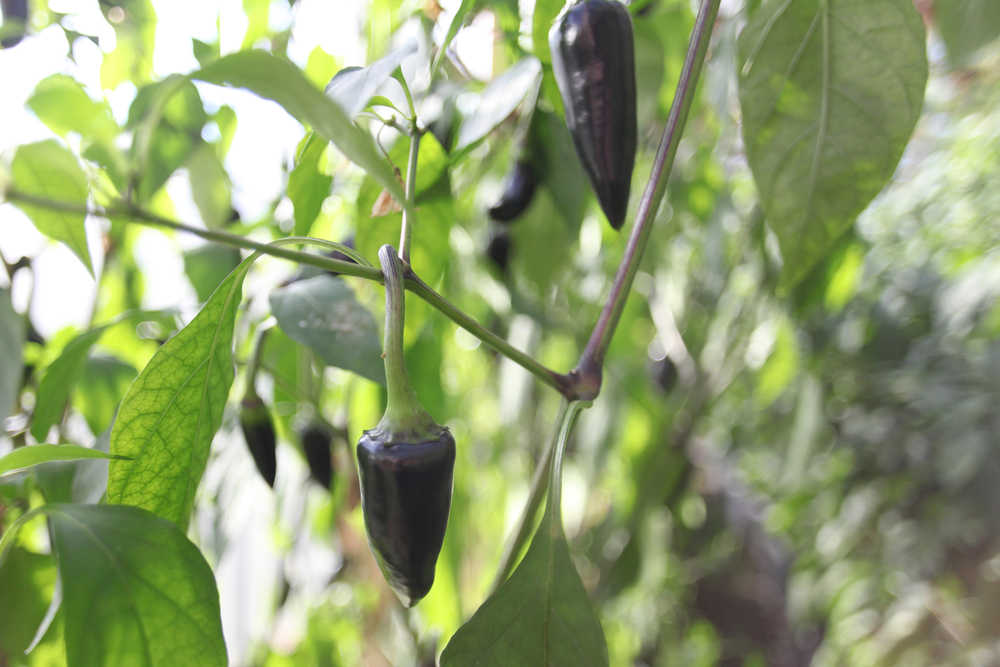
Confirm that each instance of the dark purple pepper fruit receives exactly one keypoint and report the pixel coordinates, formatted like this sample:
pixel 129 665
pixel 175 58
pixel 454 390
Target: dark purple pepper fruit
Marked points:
pixel 258 431
pixel 15 22
pixel 593 60
pixel 405 465
pixel 406 498
pixel 518 190
pixel 498 249
pixel 316 438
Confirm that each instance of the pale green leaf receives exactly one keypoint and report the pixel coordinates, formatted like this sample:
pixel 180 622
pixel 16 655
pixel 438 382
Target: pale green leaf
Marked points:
pixel 32 455
pixel 308 187
pixel 210 187
pixel 45 169
pixel 11 340
pixel 135 590
pixel 498 101
pixel 279 80
pixel 171 412
pixel 353 87
pixel 830 92
pixel 321 312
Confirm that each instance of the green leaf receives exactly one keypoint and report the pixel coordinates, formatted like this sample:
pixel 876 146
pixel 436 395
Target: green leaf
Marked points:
pixel 59 380
pixel 11 340
pixel 308 187
pixel 46 169
pixel 321 312
pixel 208 265
pixel 32 455
pixel 135 590
pixel 830 92
pixel 27 580
pixel 545 14
pixel 276 79
pixel 541 615
pixel 966 26
pixel 105 381
pixel 171 412
pixel 497 101
pixel 210 187
pixel 353 87
pixel 64 106
pixel 456 23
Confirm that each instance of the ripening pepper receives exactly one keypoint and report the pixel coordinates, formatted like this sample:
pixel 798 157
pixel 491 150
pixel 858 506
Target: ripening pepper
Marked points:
pixel 405 466
pixel 258 431
pixel 518 190
pixel 316 438
pixel 593 60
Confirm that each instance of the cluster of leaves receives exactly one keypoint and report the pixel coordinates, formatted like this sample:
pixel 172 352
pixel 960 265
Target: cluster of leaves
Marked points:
pixel 798 468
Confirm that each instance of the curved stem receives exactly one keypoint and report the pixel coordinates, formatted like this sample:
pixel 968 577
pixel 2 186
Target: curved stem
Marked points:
pixel 403 411
pixel 257 352
pixel 409 206
pixel 592 360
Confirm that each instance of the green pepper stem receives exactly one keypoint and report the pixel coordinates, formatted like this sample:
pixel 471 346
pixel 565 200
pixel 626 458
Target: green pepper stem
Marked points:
pixel 403 412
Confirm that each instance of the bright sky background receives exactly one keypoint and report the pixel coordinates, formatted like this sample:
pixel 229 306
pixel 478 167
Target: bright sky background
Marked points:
pixel 265 137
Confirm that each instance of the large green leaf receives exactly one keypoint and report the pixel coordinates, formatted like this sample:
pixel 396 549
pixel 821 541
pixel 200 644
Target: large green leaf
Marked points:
pixel 26 579
pixel 171 412
pixel 540 616
pixel 966 26
pixel 46 169
pixel 497 101
pixel 279 80
pixel 11 340
pixel 830 92
pixel 321 312
pixel 25 457
pixel 135 590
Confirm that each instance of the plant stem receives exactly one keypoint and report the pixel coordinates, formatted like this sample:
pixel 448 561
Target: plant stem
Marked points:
pixel 588 370
pixel 409 207
pixel 403 411
pixel 539 484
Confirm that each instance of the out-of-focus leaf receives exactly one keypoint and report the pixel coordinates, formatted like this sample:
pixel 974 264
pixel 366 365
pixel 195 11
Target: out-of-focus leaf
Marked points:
pixel 353 87
pixel 26 579
pixel 58 381
pixel 830 92
pixel 208 265
pixel 456 23
pixel 210 185
pixel 279 80
pixel 171 412
pixel 308 187
pixel 966 26
pixel 545 14
pixel 135 32
pixel 135 590
pixel 11 341
pixel 321 312
pixel 46 169
pixel 32 455
pixel 105 381
pixel 497 101
pixel 560 166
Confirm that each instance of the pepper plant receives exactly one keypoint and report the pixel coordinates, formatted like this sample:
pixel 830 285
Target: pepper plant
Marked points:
pixel 732 155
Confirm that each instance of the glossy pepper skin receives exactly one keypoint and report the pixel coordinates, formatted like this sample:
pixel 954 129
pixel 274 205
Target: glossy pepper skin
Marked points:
pixel 406 497
pixel 258 431
pixel 518 191
pixel 593 60
pixel 316 438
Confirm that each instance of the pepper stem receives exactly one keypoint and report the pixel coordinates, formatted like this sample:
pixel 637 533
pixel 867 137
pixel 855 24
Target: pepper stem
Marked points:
pixel 404 416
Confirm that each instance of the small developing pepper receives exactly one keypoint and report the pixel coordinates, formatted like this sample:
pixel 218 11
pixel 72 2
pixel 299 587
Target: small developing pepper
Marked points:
pixel 258 431
pixel 518 191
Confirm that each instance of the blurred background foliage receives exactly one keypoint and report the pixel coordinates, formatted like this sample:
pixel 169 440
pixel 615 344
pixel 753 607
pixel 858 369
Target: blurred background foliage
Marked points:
pixel 766 479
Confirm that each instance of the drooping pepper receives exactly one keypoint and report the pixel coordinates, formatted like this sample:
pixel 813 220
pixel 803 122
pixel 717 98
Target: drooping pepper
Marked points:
pixel 593 60
pixel 258 431
pixel 316 438
pixel 518 190
pixel 405 466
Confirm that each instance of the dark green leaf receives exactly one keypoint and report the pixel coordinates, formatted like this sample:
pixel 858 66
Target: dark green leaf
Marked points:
pixel 171 412
pixel 46 169
pixel 32 455
pixel 497 101
pixel 276 79
pixel 966 26
pixel 11 340
pixel 26 580
pixel 830 93
pixel 321 312
pixel 135 590
pixel 308 187
pixel 59 380
pixel 351 88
